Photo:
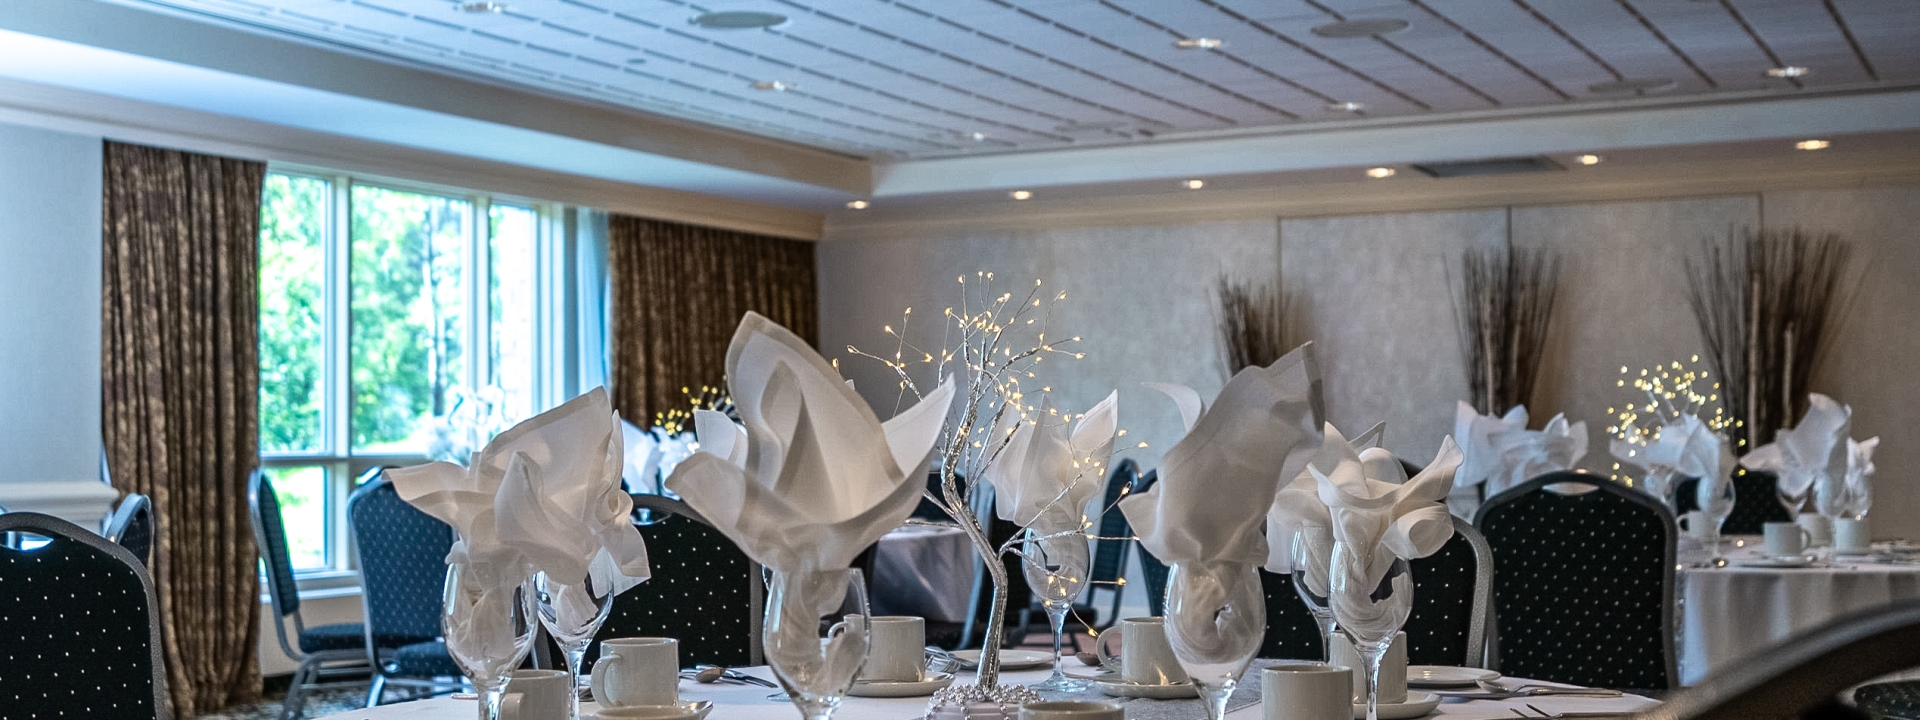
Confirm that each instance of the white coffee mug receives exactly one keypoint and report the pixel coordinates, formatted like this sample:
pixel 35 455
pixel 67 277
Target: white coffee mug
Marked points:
pixel 1306 691
pixel 1785 539
pixel 1700 527
pixel 896 648
pixel 1393 669
pixel 537 695
pixel 1071 710
pixel 637 671
pixel 1819 529
pixel 1852 535
pixel 1145 656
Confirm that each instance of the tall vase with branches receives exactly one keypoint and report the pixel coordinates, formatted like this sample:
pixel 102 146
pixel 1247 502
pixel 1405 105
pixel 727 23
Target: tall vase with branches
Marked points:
pixel 1767 303
pixel 1505 307
pixel 1252 321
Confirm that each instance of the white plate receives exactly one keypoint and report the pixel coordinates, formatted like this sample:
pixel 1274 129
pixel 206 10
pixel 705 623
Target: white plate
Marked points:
pixel 1780 562
pixel 1418 704
pixel 1442 676
pixel 1010 659
pixel 1122 688
pixel 894 688
pixel 689 710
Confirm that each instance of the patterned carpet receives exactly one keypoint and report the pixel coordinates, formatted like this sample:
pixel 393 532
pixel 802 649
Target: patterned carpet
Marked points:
pixel 324 702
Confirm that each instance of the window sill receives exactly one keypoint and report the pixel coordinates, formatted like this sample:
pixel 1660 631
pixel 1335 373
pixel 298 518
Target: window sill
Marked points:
pixel 319 585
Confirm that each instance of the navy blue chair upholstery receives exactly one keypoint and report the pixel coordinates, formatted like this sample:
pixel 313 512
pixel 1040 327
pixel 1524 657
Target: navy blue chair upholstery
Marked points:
pixel 326 654
pixel 1452 602
pixel 1153 573
pixel 1583 582
pixel 1756 502
pixel 69 604
pixel 704 590
pixel 1291 630
pixel 403 568
pixel 131 527
pixel 1109 571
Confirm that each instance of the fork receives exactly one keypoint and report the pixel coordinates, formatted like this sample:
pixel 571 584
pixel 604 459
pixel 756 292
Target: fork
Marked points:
pixel 1567 715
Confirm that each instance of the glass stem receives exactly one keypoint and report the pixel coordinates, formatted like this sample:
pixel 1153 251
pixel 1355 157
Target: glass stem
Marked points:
pixel 576 654
pixel 1216 698
pixel 1057 614
pixel 1327 627
pixel 1372 657
pixel 490 703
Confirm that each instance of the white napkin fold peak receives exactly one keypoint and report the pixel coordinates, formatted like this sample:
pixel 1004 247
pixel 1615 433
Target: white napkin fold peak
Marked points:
pixel 1044 476
pixel 1378 514
pixel 1808 454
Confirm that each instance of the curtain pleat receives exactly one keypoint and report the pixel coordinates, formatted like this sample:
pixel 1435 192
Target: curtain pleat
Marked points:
pixel 679 291
pixel 179 395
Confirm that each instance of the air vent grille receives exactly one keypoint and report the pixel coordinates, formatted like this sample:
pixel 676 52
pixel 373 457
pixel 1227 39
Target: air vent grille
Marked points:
pixel 1490 166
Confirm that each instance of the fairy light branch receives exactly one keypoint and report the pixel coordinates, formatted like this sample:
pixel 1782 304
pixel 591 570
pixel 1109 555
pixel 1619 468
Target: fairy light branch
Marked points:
pixel 1669 391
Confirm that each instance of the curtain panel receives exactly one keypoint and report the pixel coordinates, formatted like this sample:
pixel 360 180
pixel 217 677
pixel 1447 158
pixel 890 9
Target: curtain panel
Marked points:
pixel 678 293
pixel 179 395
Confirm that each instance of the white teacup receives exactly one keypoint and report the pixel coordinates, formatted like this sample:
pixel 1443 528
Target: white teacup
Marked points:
pixel 896 648
pixel 1852 536
pixel 1785 539
pixel 637 671
pixel 1701 527
pixel 1393 669
pixel 1071 710
pixel 1145 656
pixel 537 695
pixel 1306 691
pixel 1819 529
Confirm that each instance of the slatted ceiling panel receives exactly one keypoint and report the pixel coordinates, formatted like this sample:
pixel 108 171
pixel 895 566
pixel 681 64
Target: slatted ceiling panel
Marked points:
pixel 1886 32
pixel 1529 41
pixel 1805 34
pixel 1611 32
pixel 1713 39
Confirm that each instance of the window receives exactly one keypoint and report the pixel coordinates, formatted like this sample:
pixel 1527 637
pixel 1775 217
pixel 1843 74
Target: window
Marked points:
pixel 380 306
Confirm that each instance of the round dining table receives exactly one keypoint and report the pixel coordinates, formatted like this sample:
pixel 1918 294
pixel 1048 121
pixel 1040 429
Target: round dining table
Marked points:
pixel 1729 613
pixel 749 702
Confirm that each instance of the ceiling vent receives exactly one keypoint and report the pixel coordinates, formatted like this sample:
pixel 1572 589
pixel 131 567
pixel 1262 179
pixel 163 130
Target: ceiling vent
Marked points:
pixel 1490 166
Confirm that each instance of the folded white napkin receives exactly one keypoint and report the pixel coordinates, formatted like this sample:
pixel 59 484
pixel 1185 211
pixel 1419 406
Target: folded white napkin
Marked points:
pixel 1481 458
pixel 1860 476
pixel 1044 475
pixel 813 477
pixel 642 467
pixel 1526 454
pixel 1377 514
pixel 1684 447
pixel 1297 511
pixel 1811 455
pixel 1217 482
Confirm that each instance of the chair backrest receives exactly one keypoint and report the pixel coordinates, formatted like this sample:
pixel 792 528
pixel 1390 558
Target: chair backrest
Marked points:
pixel 132 527
pixel 81 627
pixel 1292 632
pixel 271 536
pixel 1452 601
pixel 1153 573
pixel 704 591
pixel 403 564
pixel 1583 582
pixel 1755 501
pixel 1110 551
pixel 1800 676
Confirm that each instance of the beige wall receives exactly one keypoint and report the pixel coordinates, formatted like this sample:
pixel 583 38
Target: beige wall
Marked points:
pixel 1373 291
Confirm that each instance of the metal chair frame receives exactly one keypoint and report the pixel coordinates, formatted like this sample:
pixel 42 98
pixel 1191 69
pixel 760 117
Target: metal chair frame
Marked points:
pixel 315 668
pixel 756 581
pixel 1802 674
pixel 1480 629
pixel 376 691
pixel 131 508
pixel 38 524
pixel 1574 483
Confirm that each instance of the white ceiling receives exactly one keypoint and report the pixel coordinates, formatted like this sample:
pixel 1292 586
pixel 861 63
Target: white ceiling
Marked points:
pixel 895 79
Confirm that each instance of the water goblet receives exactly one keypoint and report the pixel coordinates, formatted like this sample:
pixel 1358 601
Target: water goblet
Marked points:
pixel 488 624
pixel 572 614
pixel 1716 503
pixel 816 667
pixel 1370 613
pixel 1310 582
pixel 1216 617
pixel 1056 569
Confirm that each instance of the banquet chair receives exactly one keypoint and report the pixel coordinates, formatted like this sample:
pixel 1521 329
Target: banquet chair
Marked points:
pixel 1583 582
pixel 1801 676
pixel 403 569
pixel 328 655
pixel 1755 502
pixel 1291 632
pixel 704 591
pixel 1153 573
pixel 1109 571
pixel 131 527
pixel 81 627
pixel 1452 601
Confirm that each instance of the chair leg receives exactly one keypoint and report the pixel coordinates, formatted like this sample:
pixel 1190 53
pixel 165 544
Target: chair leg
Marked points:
pixel 377 690
pixel 294 707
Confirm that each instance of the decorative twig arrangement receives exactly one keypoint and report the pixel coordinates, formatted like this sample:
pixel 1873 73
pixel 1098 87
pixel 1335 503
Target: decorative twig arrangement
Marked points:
pixel 1766 303
pixel 1505 305
pixel 1252 322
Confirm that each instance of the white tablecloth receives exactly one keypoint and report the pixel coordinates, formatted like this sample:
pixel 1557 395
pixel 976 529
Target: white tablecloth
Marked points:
pixel 923 570
pixel 1729 613
pixel 740 702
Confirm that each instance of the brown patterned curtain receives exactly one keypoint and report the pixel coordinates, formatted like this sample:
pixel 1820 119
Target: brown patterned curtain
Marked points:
pixel 180 387
pixel 678 293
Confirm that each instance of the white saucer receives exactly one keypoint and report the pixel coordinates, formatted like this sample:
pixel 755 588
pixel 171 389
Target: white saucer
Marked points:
pixel 1779 562
pixel 1418 704
pixel 895 688
pixel 1442 676
pixel 1121 688
pixel 1010 659
pixel 688 710
pixel 1853 552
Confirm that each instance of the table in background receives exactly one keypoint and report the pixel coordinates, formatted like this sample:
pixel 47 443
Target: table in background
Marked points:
pixel 745 702
pixel 923 570
pixel 1728 614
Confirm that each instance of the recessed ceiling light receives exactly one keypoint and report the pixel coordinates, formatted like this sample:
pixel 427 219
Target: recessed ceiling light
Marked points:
pixel 774 86
pixel 480 7
pixel 1788 71
pixel 1020 194
pixel 975 136
pixel 857 204
pixel 1380 172
pixel 1811 145
pixel 1632 86
pixel 1194 184
pixel 1346 107
pixel 738 20
pixel 1347 29
pixel 1198 43
pixel 1588 159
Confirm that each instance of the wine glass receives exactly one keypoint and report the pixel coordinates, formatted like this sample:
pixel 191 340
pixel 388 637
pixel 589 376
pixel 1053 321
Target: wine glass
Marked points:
pixel 488 626
pixel 1216 617
pixel 1794 499
pixel 1370 614
pixel 1310 582
pixel 1056 569
pixel 816 668
pixel 572 614
pixel 1716 503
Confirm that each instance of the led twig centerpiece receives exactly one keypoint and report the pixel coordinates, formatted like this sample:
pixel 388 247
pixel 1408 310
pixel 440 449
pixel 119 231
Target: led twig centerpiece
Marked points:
pixel 1669 393
pixel 995 343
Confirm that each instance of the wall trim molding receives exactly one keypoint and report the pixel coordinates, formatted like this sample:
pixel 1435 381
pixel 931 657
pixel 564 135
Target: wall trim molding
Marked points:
pixel 82 502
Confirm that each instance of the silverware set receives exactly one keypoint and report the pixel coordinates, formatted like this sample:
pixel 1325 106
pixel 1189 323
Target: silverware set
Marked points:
pixel 707 674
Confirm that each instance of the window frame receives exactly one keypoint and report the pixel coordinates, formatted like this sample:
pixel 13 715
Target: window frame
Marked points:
pixel 335 453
